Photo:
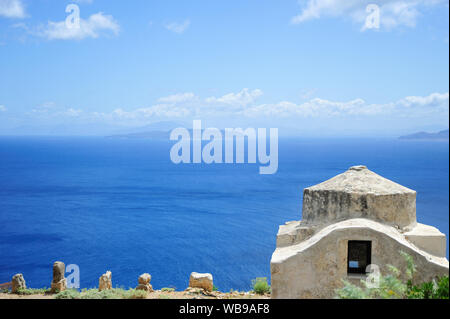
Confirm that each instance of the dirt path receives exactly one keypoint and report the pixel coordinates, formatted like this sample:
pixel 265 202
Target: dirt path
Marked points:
pixel 158 294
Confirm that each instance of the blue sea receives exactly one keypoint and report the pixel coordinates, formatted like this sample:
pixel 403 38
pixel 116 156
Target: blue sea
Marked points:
pixel 122 205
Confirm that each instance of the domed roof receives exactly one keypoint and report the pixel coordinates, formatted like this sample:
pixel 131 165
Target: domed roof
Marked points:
pixel 359 193
pixel 359 179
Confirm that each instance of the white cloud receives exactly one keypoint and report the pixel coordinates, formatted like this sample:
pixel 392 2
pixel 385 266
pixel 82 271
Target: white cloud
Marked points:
pixel 313 108
pixel 432 100
pixel 188 104
pixel 73 112
pixel 178 98
pixel 50 110
pixel 93 27
pixel 393 13
pixel 307 93
pixel 158 111
pixel 178 27
pixel 44 108
pixel 412 106
pixel 3 108
pixel 242 98
pixel 12 9
pixel 244 105
pixel 20 25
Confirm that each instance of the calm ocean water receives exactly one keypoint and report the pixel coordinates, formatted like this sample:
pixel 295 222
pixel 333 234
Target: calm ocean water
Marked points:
pixel 121 205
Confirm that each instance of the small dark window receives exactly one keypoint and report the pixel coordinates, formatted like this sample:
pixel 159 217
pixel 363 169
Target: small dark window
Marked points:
pixel 359 256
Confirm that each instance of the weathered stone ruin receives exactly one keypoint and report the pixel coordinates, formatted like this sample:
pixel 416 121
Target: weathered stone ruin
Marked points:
pixel 203 281
pixel 59 283
pixel 18 283
pixel 144 282
pixel 351 221
pixel 105 281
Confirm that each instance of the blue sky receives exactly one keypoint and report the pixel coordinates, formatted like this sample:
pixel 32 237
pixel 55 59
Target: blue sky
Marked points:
pixel 306 67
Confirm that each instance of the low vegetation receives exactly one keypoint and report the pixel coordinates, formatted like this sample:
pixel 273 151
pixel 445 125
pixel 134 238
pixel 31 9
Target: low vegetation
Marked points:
pixel 260 286
pixel 116 293
pixel 430 290
pixel 32 291
pixel 391 286
pixel 260 289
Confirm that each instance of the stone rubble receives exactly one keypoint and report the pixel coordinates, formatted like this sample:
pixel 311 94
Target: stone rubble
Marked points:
pixel 18 283
pixel 105 281
pixel 204 281
pixel 144 282
pixel 59 283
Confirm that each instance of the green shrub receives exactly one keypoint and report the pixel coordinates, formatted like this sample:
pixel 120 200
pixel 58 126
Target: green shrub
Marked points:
pixel 392 287
pixel 135 294
pixel 168 289
pixel 350 291
pixel 215 288
pixel 260 286
pixel 442 288
pixel 68 294
pixel 116 293
pixel 32 291
pixel 430 290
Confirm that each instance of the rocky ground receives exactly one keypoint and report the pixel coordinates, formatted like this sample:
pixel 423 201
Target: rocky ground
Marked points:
pixel 200 287
pixel 190 293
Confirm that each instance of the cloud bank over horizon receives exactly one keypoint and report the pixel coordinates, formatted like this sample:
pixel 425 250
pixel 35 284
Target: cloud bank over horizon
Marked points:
pixel 246 108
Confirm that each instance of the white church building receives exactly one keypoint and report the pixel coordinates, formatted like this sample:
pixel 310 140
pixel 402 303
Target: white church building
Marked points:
pixel 353 220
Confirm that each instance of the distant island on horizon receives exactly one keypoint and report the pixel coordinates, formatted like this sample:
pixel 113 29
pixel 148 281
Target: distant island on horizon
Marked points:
pixel 164 134
pixel 162 130
pixel 442 135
